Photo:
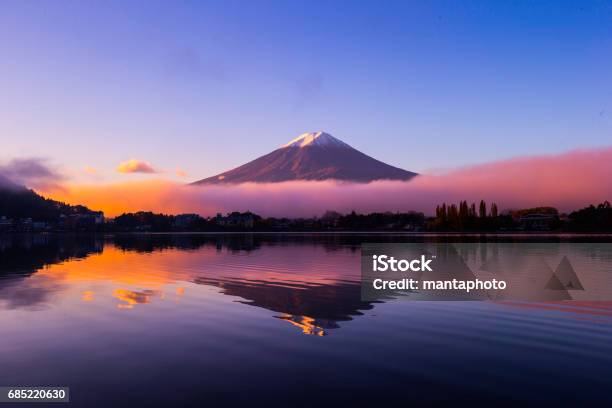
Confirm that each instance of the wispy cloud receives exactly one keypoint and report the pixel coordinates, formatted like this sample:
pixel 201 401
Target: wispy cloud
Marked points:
pixel 34 173
pixel 135 166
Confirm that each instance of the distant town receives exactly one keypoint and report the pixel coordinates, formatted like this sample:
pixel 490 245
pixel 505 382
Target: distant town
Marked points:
pixel 32 213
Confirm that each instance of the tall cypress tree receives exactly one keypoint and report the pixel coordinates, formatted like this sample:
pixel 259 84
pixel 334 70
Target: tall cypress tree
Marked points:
pixel 493 210
pixel 453 216
pixel 482 211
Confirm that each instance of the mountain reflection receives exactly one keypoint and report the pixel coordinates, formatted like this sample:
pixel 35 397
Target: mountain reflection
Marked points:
pixel 282 274
pixel 309 281
pixel 312 308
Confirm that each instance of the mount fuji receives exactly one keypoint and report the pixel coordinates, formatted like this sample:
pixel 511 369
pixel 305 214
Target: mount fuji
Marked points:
pixel 311 156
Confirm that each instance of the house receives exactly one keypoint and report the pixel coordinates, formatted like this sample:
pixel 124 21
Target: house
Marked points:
pixel 237 220
pixel 39 226
pixel 81 221
pixel 6 224
pixel 185 220
pixel 538 222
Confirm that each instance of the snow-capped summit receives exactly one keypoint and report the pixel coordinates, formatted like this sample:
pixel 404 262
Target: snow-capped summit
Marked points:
pixel 315 139
pixel 311 156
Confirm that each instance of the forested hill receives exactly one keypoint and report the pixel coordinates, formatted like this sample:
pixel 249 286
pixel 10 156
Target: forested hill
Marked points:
pixel 19 202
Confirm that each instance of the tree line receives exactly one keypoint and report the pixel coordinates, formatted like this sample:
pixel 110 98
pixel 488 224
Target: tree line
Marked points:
pixel 467 217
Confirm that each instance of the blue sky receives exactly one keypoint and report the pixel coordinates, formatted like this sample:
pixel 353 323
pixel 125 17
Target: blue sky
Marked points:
pixel 206 86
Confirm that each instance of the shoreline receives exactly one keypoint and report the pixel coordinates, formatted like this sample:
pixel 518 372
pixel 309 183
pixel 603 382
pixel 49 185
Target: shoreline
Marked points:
pixel 390 233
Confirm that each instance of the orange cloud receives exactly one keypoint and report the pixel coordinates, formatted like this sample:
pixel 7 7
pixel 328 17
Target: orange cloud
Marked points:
pixel 90 170
pixel 180 172
pixel 568 181
pixel 135 166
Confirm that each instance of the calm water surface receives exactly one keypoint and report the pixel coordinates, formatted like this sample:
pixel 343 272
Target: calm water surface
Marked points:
pixel 196 320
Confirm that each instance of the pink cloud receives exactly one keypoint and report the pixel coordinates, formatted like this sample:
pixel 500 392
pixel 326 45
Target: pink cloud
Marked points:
pixel 567 181
pixel 135 166
pixel 180 172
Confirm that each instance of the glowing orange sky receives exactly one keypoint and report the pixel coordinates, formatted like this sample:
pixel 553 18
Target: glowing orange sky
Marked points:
pixel 568 181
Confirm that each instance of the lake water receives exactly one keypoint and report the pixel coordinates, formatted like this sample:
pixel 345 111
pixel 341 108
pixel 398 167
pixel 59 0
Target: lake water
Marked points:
pixel 276 320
